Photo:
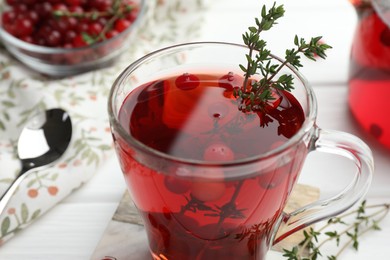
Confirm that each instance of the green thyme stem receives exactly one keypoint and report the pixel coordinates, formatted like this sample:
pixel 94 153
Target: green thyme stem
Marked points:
pixel 108 26
pixel 358 223
pixel 253 98
pixel 88 15
pixel 384 211
pixel 361 219
pixel 247 68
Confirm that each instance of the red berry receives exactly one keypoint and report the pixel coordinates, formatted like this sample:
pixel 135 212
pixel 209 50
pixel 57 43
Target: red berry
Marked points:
pixel 69 36
pixel 79 41
pixel 76 9
pixel 230 81
pixel 54 39
pixel 101 5
pixel 73 2
pixel 176 185
pixel 12 2
pixel 60 7
pixel 8 17
pixel 33 16
pixel 82 26
pixel 208 189
pixel 132 16
pixel 24 27
pixel 218 152
pixel 30 2
pixel 122 24
pixel 94 29
pixel 187 81
pixel 111 34
pixel 20 8
pixel 44 9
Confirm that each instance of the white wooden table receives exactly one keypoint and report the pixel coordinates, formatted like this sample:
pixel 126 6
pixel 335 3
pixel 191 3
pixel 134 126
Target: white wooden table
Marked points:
pixel 73 228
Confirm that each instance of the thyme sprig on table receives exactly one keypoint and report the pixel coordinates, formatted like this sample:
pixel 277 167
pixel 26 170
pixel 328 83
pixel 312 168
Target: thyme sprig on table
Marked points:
pixel 254 94
pixel 367 218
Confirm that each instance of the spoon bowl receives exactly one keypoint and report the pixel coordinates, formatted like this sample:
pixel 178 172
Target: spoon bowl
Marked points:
pixel 42 141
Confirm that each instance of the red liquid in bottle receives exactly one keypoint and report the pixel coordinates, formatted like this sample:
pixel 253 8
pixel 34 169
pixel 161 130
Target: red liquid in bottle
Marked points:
pixel 196 117
pixel 369 83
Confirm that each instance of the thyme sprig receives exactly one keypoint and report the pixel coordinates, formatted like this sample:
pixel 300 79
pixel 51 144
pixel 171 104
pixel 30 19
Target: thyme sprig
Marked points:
pixel 367 218
pixel 254 94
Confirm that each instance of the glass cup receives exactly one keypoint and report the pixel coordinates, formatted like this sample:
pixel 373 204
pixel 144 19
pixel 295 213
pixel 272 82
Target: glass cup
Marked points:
pixel 232 208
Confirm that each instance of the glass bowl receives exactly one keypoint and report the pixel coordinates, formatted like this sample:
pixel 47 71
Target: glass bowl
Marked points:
pixel 61 62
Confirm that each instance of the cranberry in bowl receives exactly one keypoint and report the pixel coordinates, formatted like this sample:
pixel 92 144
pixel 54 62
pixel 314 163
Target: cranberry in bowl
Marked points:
pixel 65 37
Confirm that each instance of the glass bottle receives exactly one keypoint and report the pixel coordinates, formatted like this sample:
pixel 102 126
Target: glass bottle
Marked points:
pixel 369 73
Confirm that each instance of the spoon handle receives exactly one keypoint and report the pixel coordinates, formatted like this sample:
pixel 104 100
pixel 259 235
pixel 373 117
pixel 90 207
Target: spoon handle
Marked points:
pixel 5 198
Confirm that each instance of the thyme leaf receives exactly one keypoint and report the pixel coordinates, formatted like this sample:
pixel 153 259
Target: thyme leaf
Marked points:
pixel 366 218
pixel 254 94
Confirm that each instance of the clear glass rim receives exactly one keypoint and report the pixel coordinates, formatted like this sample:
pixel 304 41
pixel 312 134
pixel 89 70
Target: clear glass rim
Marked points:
pixel 308 124
pixel 17 43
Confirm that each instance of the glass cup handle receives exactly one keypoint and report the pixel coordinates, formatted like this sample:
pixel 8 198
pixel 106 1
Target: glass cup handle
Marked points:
pixel 346 145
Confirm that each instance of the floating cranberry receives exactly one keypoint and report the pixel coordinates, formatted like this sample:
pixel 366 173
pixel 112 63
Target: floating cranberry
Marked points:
pixel 176 185
pixel 187 81
pixel 230 81
pixel 208 188
pixel 208 191
pixel 218 152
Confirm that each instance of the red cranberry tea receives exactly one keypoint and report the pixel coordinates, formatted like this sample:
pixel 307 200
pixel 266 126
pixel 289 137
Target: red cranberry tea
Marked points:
pixel 203 212
pixel 370 73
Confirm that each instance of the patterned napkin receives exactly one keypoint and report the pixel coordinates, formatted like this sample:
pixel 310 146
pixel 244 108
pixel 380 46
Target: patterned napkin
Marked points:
pixel 23 93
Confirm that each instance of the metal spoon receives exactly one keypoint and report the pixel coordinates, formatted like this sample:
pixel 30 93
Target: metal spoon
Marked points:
pixel 43 140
